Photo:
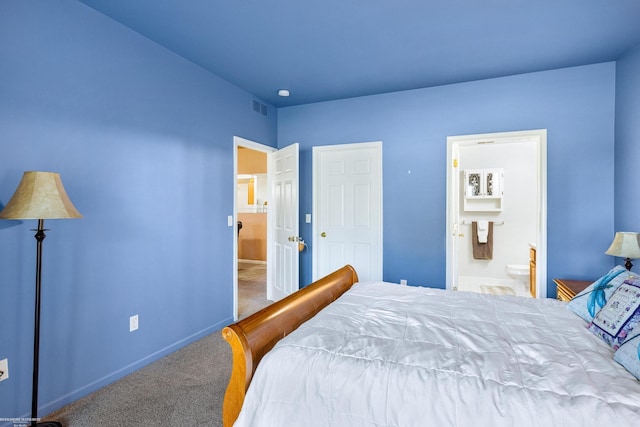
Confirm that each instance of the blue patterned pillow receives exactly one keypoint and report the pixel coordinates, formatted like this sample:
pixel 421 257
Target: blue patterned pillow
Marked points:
pixel 628 355
pixel 620 315
pixel 588 302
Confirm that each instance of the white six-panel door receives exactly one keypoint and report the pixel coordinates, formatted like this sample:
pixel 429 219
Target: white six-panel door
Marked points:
pixel 347 209
pixel 282 249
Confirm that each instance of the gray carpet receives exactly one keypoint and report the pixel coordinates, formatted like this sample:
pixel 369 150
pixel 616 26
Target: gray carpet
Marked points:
pixel 185 388
pixel 252 288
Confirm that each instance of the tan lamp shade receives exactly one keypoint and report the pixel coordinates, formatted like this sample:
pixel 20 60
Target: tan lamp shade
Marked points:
pixel 40 195
pixel 625 245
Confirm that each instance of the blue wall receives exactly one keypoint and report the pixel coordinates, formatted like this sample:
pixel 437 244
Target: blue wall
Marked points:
pixel 143 140
pixel 627 207
pixel 575 105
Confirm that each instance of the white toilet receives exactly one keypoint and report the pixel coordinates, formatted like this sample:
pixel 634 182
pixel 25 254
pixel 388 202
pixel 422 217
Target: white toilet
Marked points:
pixel 519 272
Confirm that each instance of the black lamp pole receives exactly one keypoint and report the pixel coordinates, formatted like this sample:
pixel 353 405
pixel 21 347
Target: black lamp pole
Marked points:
pixel 36 337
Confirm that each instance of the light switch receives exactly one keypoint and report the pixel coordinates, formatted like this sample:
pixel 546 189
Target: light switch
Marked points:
pixel 307 218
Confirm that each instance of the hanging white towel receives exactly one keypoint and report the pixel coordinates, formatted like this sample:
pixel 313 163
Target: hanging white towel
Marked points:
pixel 483 231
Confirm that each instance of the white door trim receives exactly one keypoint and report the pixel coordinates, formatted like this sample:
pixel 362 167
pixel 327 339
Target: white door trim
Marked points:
pixel 453 143
pixel 316 195
pixel 240 142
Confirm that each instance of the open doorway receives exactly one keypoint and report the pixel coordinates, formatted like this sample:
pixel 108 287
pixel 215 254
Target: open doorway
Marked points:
pixel 497 183
pixel 251 207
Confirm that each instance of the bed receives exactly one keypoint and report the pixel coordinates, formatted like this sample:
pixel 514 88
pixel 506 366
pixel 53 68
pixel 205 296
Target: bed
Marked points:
pixel 343 353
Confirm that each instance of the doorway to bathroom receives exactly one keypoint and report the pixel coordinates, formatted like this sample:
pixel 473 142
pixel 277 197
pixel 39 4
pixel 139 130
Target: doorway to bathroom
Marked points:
pixel 496 213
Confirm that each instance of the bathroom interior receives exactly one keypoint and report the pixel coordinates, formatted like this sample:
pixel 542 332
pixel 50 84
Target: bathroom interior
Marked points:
pixel 497 192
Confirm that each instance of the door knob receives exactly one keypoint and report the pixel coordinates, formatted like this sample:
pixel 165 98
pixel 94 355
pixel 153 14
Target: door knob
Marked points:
pixel 323 234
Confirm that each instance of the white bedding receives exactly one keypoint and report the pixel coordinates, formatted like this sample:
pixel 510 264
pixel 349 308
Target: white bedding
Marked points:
pixel 391 355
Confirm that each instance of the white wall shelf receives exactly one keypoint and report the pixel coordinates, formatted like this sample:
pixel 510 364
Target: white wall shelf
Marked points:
pixel 483 190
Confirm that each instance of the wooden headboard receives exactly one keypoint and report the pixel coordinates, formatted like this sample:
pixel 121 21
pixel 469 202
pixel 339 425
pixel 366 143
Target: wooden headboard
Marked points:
pixel 253 337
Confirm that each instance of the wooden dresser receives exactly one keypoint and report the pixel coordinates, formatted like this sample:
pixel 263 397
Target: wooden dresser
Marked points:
pixel 567 288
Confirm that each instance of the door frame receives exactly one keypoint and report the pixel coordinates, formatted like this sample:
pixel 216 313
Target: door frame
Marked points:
pixel 316 194
pixel 246 143
pixel 453 189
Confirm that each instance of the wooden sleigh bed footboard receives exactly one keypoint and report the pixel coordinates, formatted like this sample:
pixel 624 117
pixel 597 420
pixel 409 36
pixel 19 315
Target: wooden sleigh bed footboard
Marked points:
pixel 251 338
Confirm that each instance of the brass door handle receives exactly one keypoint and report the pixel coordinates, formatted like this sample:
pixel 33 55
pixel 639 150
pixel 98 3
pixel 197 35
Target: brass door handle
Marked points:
pixel 323 234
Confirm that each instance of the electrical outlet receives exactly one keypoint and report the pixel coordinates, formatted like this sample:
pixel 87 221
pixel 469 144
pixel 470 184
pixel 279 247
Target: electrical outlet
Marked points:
pixel 4 369
pixel 133 323
pixel 403 282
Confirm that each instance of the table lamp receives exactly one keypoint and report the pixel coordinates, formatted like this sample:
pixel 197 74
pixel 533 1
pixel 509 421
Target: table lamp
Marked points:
pixel 625 245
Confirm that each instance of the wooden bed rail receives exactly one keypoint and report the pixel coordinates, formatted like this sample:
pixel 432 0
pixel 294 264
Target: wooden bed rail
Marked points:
pixel 253 337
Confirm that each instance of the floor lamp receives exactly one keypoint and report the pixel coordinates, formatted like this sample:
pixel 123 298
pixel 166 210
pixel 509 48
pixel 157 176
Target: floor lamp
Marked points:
pixel 40 195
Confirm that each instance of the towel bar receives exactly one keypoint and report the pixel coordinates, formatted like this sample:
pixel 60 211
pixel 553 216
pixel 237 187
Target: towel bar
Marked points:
pixel 465 222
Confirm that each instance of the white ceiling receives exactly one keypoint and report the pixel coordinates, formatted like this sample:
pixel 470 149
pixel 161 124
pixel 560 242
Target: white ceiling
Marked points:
pixel 333 49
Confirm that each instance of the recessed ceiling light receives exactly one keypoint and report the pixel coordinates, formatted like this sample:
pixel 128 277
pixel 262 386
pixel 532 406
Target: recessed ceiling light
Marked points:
pixel 283 92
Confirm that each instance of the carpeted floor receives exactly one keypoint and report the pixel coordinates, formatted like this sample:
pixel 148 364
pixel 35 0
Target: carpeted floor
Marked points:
pixel 252 271
pixel 252 288
pixel 185 388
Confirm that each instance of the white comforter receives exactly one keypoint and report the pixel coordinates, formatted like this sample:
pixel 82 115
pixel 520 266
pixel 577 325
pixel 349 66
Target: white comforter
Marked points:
pixel 391 355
